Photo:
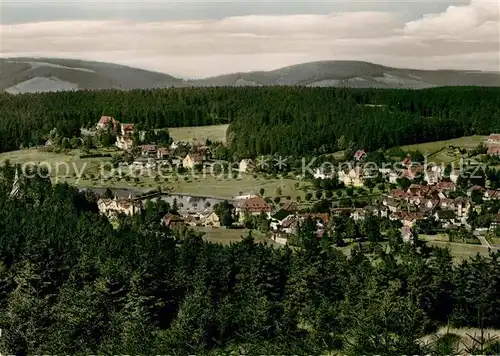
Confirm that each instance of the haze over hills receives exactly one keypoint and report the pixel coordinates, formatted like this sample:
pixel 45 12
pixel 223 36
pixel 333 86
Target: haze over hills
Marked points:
pixel 21 75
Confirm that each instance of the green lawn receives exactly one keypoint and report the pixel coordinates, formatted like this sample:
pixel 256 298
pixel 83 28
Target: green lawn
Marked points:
pixel 226 236
pixel 63 168
pixel 62 165
pixel 199 133
pixel 461 251
pixel 446 155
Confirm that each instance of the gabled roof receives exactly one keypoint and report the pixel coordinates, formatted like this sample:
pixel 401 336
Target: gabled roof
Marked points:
pixel 195 157
pixel 445 214
pixel 281 214
pixel 105 120
pixel 494 137
pixel 254 204
pixel 148 147
pixel 493 150
pixel 290 206
pixel 476 188
pixel 171 218
pixel 359 154
pixel 445 186
pixel 407 160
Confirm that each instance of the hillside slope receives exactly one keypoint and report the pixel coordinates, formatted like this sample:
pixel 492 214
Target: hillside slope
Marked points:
pixel 355 74
pixel 21 75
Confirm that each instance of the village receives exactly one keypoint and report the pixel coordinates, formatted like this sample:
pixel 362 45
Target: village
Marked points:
pixel 417 198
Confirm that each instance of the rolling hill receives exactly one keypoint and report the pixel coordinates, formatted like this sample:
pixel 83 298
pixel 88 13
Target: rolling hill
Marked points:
pixel 21 75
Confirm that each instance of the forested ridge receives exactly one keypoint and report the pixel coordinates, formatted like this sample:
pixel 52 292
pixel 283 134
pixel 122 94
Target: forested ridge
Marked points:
pixel 287 120
pixel 71 284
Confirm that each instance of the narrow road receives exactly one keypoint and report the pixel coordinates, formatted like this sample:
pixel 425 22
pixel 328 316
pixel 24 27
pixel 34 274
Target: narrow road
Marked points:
pixel 483 240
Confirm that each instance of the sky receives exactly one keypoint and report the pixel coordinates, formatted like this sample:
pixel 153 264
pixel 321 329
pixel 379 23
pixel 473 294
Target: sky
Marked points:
pixel 193 39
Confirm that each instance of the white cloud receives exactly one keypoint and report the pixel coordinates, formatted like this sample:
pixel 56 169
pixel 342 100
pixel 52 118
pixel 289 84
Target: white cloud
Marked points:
pixel 461 37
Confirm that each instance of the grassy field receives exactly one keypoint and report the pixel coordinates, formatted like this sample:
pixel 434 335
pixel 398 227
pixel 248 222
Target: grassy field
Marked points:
pixel 226 236
pixel 199 133
pixel 446 155
pixel 461 251
pixel 65 166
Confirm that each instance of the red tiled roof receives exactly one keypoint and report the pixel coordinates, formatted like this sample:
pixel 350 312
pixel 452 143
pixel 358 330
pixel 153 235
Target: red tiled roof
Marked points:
pixel 148 147
pixel 445 185
pixel 107 120
pixel 255 204
pixel 399 193
pixel 494 137
pixel 128 127
pixel 171 218
pixel 494 150
pixel 407 160
pixel 323 217
pixel 359 154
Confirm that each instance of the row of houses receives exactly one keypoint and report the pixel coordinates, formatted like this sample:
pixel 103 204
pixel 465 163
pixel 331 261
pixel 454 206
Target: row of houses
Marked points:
pixel 493 145
pixel 355 176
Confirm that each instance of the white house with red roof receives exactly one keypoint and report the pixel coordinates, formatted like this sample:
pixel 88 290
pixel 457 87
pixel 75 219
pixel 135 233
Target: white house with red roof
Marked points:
pixel 106 121
pixel 359 155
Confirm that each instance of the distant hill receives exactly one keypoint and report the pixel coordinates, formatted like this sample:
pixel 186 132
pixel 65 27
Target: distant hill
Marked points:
pixel 355 74
pixel 21 75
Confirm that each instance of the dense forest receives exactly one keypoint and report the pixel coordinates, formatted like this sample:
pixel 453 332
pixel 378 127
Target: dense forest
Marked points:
pixel 285 120
pixel 71 284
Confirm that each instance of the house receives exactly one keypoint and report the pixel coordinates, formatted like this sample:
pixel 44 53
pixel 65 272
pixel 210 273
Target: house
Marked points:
pixel 493 139
pixel 212 220
pixel 124 143
pixel 321 173
pixel 496 223
pixel 252 206
pixel 127 129
pixel 290 206
pixel 173 221
pixel 321 219
pixel 446 217
pixel 353 177
pixel 475 188
pixel 491 194
pixel 454 175
pixel 106 121
pixel 191 160
pixel 493 150
pixel 430 204
pixel 162 153
pixel 148 150
pixel 407 161
pixel 462 207
pixel 411 219
pixel 246 165
pixel 125 140
pixel 406 233
pixel 446 186
pixel 432 177
pixel 174 145
pixel 202 150
pixel 358 214
pixel 116 206
pixel 392 204
pixel 278 218
pixel 393 177
pixel 342 212
pixel 289 225
pixel 400 194
pixel 359 155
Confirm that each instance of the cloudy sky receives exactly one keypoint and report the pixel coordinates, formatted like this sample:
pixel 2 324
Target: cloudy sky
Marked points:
pixel 202 38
